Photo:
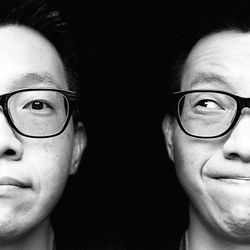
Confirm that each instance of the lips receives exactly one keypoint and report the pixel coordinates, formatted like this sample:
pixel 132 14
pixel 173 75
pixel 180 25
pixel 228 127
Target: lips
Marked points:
pixel 234 177
pixel 237 179
pixel 9 181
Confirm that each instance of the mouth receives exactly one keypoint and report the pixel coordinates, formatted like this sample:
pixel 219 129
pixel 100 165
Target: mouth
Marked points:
pixel 9 181
pixel 234 180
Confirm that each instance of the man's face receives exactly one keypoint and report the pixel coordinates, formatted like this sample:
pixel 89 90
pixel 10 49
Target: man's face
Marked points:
pixel 216 172
pixel 42 164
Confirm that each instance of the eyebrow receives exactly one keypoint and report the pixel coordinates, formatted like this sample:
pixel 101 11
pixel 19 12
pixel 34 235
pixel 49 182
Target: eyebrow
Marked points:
pixel 30 79
pixel 208 78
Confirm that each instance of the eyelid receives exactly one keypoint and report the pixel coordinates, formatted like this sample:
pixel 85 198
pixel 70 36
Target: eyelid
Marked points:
pixel 211 101
pixel 216 97
pixel 222 101
pixel 48 105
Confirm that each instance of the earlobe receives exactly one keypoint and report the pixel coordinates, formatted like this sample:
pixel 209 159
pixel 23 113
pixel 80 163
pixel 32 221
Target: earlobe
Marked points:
pixel 167 127
pixel 80 142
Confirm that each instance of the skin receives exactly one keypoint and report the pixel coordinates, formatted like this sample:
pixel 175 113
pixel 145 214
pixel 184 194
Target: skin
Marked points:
pixel 219 208
pixel 43 164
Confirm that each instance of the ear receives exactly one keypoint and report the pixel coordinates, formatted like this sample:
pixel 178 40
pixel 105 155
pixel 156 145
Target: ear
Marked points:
pixel 80 142
pixel 168 128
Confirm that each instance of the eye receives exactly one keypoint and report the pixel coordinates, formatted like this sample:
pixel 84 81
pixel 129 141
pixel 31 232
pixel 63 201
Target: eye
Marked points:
pixel 208 104
pixel 37 105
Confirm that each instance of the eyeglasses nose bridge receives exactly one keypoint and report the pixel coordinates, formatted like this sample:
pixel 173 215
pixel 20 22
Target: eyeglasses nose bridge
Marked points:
pixel 3 105
pixel 243 106
pixel 242 103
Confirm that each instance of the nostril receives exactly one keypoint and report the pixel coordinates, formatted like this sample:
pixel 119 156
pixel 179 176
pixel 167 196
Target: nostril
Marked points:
pixel 10 152
pixel 232 156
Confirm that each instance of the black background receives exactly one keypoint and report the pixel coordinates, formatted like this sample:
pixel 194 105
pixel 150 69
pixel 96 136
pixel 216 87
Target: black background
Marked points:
pixel 125 192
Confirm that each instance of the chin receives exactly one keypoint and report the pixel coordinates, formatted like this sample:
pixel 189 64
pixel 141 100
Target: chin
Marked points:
pixel 238 226
pixel 9 233
pixel 13 228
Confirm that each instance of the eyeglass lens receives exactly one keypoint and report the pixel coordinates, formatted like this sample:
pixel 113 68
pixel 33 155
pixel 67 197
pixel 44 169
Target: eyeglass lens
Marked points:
pixel 206 114
pixel 38 113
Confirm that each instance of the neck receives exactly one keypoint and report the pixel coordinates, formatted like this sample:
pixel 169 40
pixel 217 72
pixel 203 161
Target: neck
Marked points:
pixel 40 238
pixel 200 237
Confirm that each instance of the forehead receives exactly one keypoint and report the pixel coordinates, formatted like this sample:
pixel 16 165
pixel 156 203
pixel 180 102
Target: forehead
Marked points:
pixel 25 51
pixel 219 58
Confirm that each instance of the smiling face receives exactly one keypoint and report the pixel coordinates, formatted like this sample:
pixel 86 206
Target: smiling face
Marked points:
pixel 33 172
pixel 215 173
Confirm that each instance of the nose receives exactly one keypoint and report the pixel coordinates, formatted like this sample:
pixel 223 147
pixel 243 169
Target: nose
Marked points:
pixel 237 144
pixel 11 147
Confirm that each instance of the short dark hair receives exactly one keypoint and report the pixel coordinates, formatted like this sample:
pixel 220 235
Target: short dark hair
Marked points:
pixel 45 19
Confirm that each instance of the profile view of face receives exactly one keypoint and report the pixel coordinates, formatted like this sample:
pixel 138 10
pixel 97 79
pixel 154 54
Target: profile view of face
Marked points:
pixel 215 172
pixel 33 171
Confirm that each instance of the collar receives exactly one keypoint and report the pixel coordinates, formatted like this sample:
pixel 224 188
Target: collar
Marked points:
pixel 183 244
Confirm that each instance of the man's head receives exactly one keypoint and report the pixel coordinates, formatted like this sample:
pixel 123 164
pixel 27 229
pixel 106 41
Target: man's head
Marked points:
pixel 34 171
pixel 215 171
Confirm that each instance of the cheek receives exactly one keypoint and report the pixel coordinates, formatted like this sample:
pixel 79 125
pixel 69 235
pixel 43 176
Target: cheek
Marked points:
pixel 50 169
pixel 191 156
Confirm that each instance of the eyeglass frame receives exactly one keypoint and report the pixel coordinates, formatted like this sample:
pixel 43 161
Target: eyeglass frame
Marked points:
pixel 241 102
pixel 70 96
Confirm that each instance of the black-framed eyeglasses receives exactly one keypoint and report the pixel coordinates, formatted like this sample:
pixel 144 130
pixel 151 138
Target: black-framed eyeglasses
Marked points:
pixel 208 113
pixel 38 112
